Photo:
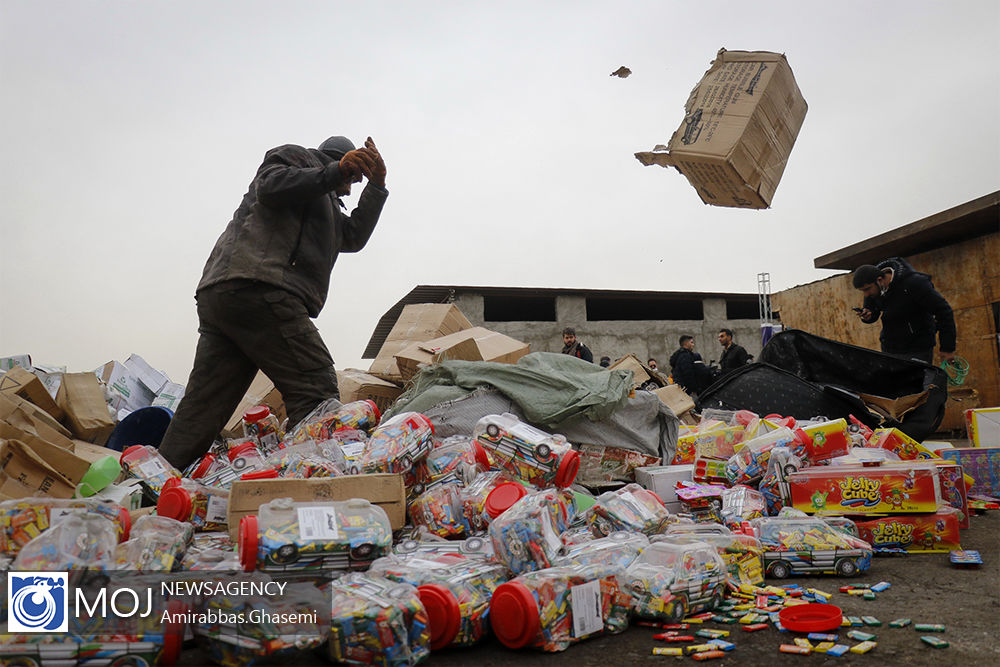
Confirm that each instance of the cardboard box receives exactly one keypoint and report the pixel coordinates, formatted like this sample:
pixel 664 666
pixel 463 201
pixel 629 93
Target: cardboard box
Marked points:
pixel 980 463
pixel 662 480
pixel 26 416
pixel 910 487
pixel 15 361
pixel 126 390
pixel 28 386
pixel 676 399
pixel 169 397
pixel 385 490
pixel 356 385
pixel 475 344
pixel 417 323
pixel 151 378
pixel 38 469
pixel 740 124
pixel 261 392
pixel 63 459
pixel 642 374
pixel 913 533
pixel 983 425
pixel 87 417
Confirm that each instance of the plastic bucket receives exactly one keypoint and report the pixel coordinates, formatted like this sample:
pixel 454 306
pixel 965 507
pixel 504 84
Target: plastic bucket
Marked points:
pixel 145 426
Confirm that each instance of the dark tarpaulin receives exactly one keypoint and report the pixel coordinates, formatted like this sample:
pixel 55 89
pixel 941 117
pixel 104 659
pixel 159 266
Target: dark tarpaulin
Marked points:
pixel 803 376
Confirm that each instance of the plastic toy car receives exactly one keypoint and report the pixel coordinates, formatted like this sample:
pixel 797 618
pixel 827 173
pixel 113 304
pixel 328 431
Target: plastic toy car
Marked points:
pixel 809 545
pixel 472 546
pixel 669 581
pixel 286 536
pixel 525 451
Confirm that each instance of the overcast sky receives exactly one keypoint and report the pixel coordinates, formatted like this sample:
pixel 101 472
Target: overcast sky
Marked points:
pixel 130 131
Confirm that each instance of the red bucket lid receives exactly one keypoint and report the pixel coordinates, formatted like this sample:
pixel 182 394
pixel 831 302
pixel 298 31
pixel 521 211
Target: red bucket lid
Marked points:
pixel 568 468
pixel 378 413
pixel 241 449
pixel 811 617
pixel 501 498
pixel 443 614
pixel 171 483
pixel 132 449
pixel 174 503
pixel 248 542
pixel 255 414
pixel 514 615
pixel 266 473
pixel 206 462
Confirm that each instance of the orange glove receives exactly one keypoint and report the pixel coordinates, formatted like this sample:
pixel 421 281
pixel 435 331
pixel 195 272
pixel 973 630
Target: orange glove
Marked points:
pixel 378 171
pixel 357 163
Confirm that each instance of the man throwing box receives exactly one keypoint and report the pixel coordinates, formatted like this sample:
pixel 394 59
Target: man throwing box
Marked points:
pixel 912 311
pixel 267 276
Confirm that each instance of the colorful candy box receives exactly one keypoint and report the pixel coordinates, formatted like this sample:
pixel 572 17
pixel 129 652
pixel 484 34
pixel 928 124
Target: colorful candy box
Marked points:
pixel 554 608
pixel 825 440
pixel 807 545
pixel 23 520
pixel 531 454
pixel 913 533
pixel 980 463
pixel 630 508
pixel 905 447
pixel 850 489
pixel 526 536
pixel 440 510
pixel 398 443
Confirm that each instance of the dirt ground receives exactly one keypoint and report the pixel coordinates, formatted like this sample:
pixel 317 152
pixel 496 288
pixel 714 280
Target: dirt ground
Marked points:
pixel 925 588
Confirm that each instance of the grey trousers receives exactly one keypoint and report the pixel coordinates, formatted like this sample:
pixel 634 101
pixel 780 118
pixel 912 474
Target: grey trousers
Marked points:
pixel 246 326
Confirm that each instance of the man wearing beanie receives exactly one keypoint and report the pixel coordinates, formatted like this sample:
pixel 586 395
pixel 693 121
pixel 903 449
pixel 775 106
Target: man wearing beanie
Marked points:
pixel 911 310
pixel 265 280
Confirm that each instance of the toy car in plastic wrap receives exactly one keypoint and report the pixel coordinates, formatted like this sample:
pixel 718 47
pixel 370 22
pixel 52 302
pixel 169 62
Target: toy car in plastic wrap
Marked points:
pixel 669 581
pixel 477 547
pixel 528 452
pixel 339 536
pixel 808 545
pixel 69 653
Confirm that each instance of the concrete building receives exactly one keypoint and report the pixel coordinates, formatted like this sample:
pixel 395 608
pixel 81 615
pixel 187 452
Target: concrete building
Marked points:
pixel 610 322
pixel 960 249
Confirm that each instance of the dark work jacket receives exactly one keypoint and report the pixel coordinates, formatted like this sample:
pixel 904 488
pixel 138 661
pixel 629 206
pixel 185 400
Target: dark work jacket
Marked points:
pixel 290 228
pixel 912 311
pixel 689 371
pixel 579 350
pixel 733 357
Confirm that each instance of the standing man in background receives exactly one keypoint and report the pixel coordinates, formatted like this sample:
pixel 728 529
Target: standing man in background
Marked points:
pixel 912 311
pixel 688 369
pixel 574 347
pixel 265 280
pixel 733 356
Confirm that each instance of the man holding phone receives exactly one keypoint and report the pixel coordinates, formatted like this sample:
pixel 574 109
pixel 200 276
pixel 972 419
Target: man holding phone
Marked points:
pixel 911 310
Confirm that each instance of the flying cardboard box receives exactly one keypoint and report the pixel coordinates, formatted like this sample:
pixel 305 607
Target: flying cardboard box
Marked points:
pixel 28 386
pixel 676 399
pixel 261 392
pixel 151 378
pixel 382 489
pixel 475 344
pixel 87 416
pixel 740 124
pixel 417 323
pixel 357 385
pixel 127 391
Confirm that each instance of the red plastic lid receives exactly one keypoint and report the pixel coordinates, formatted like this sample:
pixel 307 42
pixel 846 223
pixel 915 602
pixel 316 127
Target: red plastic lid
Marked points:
pixel 132 449
pixel 125 522
pixel 568 468
pixel 482 458
pixel 248 542
pixel 514 615
pixel 802 437
pixel 378 413
pixel 174 503
pixel 236 451
pixel 501 498
pixel 811 617
pixel 266 473
pixel 257 413
pixel 206 462
pixel 171 483
pixel 443 614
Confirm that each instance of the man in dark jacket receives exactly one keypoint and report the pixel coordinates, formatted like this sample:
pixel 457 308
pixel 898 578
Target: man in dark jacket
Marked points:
pixel 733 356
pixel 267 276
pixel 687 368
pixel 574 347
pixel 912 311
